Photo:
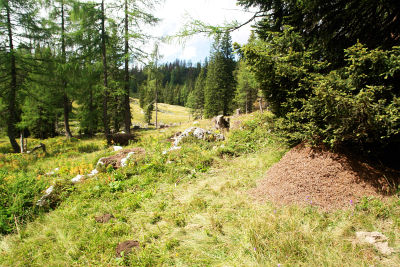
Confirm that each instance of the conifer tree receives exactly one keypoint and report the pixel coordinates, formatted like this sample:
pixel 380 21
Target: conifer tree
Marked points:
pixel 17 21
pixel 220 83
pixel 196 97
pixel 246 88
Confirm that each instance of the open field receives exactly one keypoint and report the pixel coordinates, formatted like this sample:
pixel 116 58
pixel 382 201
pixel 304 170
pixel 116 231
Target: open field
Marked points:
pixel 168 114
pixel 189 207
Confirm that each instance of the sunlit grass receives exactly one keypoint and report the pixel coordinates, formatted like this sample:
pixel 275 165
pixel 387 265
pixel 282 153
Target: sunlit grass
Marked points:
pixel 168 114
pixel 191 207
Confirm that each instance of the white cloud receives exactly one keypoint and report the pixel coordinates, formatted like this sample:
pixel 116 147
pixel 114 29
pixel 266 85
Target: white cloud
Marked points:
pixel 174 13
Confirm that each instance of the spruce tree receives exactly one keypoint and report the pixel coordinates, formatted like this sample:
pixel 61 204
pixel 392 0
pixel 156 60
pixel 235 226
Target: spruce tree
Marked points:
pixel 246 88
pixel 196 97
pixel 220 83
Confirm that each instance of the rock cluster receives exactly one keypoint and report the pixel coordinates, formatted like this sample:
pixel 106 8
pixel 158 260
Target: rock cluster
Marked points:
pixel 116 161
pixel 196 132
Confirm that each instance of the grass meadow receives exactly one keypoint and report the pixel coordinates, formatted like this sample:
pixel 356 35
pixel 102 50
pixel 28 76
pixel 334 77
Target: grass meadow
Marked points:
pixel 189 207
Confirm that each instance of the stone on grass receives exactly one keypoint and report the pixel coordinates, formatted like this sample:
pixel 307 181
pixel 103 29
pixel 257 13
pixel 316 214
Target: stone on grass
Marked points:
pixel 104 218
pixel 93 172
pixel 196 132
pixel 77 178
pixel 124 160
pixel 126 247
pixel 117 148
pixel 48 193
pixel 378 240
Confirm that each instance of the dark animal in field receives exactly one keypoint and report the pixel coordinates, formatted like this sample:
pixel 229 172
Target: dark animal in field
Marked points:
pixel 221 123
pixel 121 139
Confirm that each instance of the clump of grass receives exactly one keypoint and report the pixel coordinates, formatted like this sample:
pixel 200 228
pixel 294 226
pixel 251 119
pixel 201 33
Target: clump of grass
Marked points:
pixel 88 148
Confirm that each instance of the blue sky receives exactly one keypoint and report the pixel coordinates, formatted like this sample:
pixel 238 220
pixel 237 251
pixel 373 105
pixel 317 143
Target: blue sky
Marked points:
pixel 174 13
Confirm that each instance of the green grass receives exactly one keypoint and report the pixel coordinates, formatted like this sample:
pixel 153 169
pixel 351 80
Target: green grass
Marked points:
pixel 191 207
pixel 168 114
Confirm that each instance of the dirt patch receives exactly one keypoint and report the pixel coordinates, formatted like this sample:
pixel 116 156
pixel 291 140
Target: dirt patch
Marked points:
pixel 115 160
pixel 318 177
pixel 126 247
pixel 104 218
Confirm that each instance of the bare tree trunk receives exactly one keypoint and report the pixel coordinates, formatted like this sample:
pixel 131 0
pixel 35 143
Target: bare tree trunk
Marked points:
pixel 64 82
pixel 247 103
pixel 127 108
pixel 261 108
pixel 156 106
pixel 105 73
pixel 21 142
pixel 12 116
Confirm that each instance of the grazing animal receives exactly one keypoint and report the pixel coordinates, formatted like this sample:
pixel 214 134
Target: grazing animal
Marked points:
pixel 121 139
pixel 221 123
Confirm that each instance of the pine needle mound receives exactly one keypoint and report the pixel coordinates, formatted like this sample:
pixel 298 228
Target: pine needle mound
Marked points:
pixel 315 176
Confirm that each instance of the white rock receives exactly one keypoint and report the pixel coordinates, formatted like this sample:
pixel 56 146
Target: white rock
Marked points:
pixel 100 162
pixel 378 240
pixel 93 172
pixel 117 148
pixel 48 192
pixel 77 178
pixel 53 171
pixel 124 160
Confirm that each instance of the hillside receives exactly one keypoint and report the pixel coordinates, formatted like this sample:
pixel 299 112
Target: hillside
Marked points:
pixel 188 207
pixel 168 114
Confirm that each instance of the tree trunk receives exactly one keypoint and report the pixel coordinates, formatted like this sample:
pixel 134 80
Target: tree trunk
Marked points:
pixel 127 108
pixel 12 115
pixel 22 142
pixel 64 82
pixel 156 107
pixel 105 73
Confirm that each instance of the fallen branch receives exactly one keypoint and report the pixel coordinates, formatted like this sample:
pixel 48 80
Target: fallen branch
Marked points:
pixel 41 146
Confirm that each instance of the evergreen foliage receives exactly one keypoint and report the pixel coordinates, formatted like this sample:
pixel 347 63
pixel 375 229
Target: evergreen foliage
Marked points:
pixel 354 106
pixel 196 97
pixel 246 88
pixel 220 83
pixel 330 26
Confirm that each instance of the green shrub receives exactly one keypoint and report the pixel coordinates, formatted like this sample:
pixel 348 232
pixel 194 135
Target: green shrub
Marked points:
pixel 357 105
pixel 18 198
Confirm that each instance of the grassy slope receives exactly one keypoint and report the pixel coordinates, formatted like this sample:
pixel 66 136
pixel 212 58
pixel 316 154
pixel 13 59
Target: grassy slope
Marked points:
pixel 191 208
pixel 167 114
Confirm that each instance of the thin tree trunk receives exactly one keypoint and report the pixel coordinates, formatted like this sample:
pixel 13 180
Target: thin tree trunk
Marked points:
pixel 22 142
pixel 156 107
pixel 105 73
pixel 12 116
pixel 91 110
pixel 64 82
pixel 127 108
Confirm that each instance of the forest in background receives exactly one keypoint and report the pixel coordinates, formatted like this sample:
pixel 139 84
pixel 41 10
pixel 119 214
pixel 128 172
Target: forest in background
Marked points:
pixel 69 61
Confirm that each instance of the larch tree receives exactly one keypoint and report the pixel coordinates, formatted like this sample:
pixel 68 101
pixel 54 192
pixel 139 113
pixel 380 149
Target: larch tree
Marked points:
pixel 17 23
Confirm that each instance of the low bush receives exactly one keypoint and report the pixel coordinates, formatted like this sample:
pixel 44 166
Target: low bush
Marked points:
pixel 18 198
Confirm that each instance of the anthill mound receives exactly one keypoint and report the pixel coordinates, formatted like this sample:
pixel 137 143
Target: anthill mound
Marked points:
pixel 318 177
